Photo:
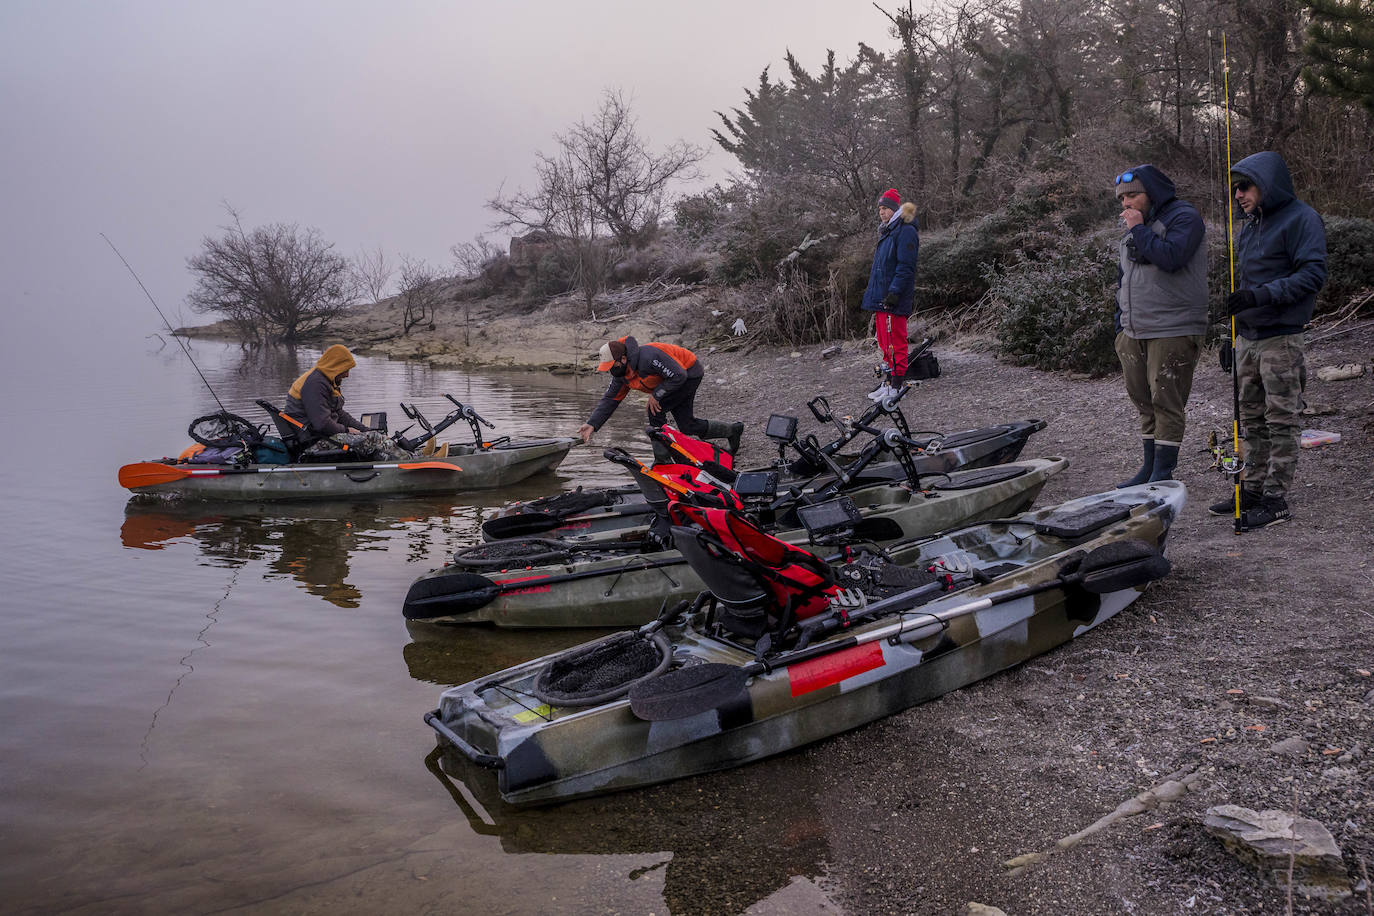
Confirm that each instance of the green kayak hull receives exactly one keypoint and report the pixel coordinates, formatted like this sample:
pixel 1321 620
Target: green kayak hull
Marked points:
pixel 543 754
pixel 627 591
pixel 464 468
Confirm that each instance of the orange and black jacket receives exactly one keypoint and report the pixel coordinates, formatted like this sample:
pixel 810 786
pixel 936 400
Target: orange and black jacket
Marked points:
pixel 659 369
pixel 315 399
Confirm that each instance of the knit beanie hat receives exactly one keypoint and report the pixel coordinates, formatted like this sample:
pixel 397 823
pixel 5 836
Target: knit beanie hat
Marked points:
pixel 890 199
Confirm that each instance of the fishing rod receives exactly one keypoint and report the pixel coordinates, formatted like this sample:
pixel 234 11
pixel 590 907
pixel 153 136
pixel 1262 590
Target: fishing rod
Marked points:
pixel 1233 464
pixel 185 349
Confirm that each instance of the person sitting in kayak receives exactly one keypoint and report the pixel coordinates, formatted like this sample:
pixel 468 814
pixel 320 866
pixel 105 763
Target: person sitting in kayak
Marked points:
pixel 315 400
pixel 670 375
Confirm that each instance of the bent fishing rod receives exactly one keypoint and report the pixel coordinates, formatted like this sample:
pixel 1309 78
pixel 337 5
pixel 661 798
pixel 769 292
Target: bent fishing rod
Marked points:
pixel 170 330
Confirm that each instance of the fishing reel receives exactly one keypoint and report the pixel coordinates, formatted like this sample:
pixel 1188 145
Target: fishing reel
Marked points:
pixel 1229 464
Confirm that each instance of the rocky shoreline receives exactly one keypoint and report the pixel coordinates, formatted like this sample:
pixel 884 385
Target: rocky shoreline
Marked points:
pixel 1094 779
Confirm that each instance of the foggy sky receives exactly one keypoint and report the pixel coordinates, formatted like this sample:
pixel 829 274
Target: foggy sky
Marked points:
pixel 381 124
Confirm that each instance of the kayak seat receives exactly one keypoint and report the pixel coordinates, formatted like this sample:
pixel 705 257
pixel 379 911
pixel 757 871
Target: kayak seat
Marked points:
pixel 297 439
pixel 761 584
pixel 711 458
pixel 1074 525
pixel 665 483
pixel 292 432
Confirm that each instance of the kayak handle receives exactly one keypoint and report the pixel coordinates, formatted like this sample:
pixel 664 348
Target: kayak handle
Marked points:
pixel 489 761
pixel 361 479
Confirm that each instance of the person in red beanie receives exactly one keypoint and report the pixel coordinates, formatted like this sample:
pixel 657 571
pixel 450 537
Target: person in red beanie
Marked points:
pixel 892 282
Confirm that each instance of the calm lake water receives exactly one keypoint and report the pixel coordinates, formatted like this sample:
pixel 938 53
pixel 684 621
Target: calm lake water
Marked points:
pixel 219 709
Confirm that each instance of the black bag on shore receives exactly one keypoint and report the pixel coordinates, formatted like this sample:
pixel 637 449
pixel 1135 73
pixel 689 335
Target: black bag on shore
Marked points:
pixel 923 367
pixel 922 364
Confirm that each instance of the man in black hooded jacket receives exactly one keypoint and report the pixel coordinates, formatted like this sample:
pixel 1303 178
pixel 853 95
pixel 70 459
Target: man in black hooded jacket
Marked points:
pixel 1282 265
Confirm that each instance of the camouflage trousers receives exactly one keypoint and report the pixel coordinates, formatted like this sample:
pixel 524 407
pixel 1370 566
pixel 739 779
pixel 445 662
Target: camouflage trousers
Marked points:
pixel 368 446
pixel 1272 374
pixel 1159 376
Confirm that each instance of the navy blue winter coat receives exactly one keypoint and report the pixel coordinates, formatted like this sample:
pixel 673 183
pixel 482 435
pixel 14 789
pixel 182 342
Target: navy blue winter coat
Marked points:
pixel 894 264
pixel 1282 252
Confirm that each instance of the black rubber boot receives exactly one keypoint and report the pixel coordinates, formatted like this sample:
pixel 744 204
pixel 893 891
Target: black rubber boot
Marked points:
pixel 730 432
pixel 1148 467
pixel 1166 459
pixel 736 433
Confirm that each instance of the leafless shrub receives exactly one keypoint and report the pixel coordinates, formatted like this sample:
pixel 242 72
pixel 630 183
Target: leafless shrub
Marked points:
pixel 421 291
pixel 276 282
pixel 373 273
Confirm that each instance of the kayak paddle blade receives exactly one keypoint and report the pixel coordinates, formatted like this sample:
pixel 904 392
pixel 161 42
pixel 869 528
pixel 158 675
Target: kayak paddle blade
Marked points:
pixel 149 474
pixel 520 525
pixel 687 691
pixel 444 595
pixel 428 466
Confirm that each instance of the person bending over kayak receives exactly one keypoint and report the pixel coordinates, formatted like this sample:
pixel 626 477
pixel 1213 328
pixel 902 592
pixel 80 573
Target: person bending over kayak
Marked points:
pixel 316 401
pixel 670 375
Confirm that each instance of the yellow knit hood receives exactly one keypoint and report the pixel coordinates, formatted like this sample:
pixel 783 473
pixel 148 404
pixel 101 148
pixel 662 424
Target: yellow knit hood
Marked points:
pixel 332 363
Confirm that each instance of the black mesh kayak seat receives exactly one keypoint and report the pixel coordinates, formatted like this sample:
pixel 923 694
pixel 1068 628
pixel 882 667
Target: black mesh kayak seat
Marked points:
pixel 965 480
pixel 761 584
pixel 970 436
pixel 512 552
pixel 596 673
pixel 1074 525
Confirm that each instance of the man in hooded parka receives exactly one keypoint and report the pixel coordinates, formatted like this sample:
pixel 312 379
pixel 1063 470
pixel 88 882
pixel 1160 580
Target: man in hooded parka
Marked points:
pixel 1281 256
pixel 1161 311
pixel 316 401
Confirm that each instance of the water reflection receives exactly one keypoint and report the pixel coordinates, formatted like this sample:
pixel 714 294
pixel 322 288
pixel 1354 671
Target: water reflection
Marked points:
pixel 728 840
pixel 451 655
pixel 310 543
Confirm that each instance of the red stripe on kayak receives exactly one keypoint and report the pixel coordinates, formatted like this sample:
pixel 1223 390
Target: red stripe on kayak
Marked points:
pixel 805 677
pixel 528 590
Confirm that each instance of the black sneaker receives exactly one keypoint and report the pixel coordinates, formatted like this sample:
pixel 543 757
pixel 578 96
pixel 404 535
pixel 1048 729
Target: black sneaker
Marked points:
pixel 1272 510
pixel 1248 500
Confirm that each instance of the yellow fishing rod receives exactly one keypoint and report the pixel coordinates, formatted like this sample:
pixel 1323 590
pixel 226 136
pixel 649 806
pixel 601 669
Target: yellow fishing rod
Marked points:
pixel 1231 465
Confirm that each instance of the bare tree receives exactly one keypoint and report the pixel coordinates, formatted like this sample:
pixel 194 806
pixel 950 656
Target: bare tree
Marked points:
pixel 600 192
pixel 471 259
pixel 421 291
pixel 374 272
pixel 276 283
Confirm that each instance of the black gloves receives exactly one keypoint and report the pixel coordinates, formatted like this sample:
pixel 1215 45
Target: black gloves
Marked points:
pixel 889 300
pixel 1240 301
pixel 1226 356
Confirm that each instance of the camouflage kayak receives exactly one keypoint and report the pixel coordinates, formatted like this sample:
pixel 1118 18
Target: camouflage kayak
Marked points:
pixel 681 697
pixel 625 512
pixel 561 585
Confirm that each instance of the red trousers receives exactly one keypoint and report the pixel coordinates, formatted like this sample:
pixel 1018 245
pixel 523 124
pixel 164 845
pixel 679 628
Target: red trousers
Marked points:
pixel 891 333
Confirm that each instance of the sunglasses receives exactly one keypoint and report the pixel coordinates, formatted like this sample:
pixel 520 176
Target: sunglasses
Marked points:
pixel 1125 177
pixel 1242 185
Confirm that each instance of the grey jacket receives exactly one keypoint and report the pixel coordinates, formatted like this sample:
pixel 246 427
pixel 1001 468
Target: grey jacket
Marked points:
pixel 1162 290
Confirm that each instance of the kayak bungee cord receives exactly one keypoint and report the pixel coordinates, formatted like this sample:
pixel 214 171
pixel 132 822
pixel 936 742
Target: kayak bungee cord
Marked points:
pixel 170 330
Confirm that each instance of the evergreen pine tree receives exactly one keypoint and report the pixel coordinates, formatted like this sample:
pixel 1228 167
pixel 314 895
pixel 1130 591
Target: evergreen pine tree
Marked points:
pixel 1340 46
